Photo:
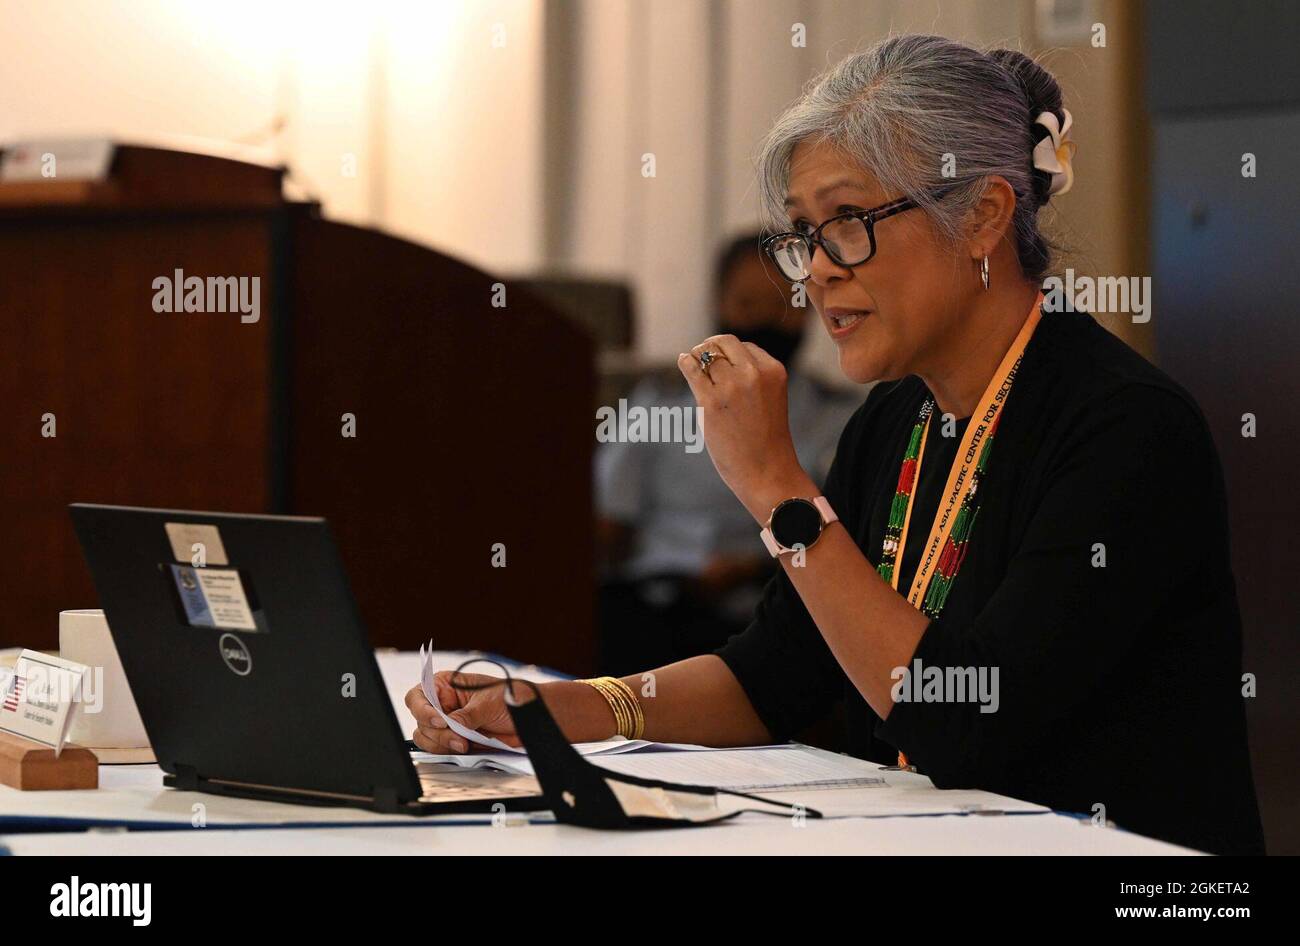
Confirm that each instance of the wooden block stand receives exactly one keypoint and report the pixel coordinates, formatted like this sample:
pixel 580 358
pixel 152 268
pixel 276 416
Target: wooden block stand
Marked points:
pixel 29 766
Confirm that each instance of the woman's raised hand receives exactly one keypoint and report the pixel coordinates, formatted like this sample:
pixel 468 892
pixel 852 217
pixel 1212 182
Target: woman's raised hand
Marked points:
pixel 743 400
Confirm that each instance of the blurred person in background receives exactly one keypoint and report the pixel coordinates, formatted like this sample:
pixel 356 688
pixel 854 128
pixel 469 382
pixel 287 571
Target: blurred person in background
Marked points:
pixel 683 563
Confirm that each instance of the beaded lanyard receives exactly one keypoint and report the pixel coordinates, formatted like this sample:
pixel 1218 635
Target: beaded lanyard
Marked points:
pixel 945 549
pixel 900 510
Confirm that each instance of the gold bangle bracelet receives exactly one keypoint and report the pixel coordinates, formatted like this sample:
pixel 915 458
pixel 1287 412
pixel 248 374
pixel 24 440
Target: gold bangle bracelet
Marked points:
pixel 623 716
pixel 629 720
pixel 621 726
pixel 633 705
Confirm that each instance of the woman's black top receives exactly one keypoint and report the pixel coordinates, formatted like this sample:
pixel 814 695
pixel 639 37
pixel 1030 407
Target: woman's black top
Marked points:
pixel 1097 581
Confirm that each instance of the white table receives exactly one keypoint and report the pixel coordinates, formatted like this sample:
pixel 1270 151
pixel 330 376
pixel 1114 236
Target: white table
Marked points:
pixel 751 834
pixel 135 793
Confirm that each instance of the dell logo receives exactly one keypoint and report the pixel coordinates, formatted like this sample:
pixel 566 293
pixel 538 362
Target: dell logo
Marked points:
pixel 235 654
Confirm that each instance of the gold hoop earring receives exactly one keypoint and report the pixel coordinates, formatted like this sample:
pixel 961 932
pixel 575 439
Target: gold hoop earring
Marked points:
pixel 984 272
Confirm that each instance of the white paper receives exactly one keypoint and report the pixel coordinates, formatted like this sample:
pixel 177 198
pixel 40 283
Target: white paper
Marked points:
pixel 431 694
pixel 604 754
pixel 748 769
pixel 58 159
pixel 757 768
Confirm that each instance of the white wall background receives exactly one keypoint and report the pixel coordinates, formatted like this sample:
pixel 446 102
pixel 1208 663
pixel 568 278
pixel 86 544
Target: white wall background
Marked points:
pixel 443 125
pixel 444 109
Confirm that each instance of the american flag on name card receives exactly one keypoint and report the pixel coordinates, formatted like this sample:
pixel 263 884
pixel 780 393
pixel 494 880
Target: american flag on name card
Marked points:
pixel 14 692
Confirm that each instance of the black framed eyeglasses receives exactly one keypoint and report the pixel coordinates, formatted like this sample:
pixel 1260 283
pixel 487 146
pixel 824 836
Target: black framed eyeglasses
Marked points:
pixel 848 238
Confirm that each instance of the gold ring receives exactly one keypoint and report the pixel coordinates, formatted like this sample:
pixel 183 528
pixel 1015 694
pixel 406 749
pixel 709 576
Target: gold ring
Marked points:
pixel 707 358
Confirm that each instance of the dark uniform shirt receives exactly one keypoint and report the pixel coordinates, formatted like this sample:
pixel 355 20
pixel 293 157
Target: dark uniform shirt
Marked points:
pixel 1097 582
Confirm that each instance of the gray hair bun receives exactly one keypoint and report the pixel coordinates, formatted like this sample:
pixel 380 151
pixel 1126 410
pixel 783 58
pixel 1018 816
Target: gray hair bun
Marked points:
pixel 1042 94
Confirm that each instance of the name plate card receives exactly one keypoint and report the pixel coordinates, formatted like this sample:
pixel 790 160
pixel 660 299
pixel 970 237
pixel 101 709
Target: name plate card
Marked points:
pixel 39 696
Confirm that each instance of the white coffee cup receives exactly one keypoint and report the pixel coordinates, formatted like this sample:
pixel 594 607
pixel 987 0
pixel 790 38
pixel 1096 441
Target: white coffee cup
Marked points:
pixel 107 718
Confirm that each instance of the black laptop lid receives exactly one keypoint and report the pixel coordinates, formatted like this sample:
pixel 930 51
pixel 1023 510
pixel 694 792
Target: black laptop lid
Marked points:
pixel 254 668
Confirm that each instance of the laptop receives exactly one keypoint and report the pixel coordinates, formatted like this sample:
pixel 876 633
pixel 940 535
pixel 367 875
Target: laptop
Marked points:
pixel 251 668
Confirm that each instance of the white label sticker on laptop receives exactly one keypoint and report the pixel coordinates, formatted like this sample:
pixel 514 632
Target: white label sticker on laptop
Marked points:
pixel 196 543
pixel 213 597
pixel 227 602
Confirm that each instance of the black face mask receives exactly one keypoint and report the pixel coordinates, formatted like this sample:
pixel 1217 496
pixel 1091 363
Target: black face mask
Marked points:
pixel 583 794
pixel 777 342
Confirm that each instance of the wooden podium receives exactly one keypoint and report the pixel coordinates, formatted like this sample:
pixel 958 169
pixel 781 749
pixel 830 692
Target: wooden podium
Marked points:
pixel 473 424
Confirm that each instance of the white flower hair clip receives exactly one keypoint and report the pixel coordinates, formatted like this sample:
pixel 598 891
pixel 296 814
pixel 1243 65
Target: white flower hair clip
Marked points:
pixel 1055 153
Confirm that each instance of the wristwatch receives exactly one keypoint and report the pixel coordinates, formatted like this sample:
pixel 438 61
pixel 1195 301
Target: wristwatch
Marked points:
pixel 797 524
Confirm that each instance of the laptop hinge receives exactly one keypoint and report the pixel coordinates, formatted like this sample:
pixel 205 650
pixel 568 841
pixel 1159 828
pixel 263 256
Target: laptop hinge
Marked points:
pixel 386 800
pixel 186 778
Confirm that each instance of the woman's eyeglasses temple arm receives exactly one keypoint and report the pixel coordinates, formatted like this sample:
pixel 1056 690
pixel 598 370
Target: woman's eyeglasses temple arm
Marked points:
pixel 872 215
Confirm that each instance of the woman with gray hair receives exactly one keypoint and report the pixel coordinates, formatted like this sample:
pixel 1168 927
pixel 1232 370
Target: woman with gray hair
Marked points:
pixel 1016 575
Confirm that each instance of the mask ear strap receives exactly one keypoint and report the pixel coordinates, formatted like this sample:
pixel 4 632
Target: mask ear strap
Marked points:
pixel 509 681
pixel 576 791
